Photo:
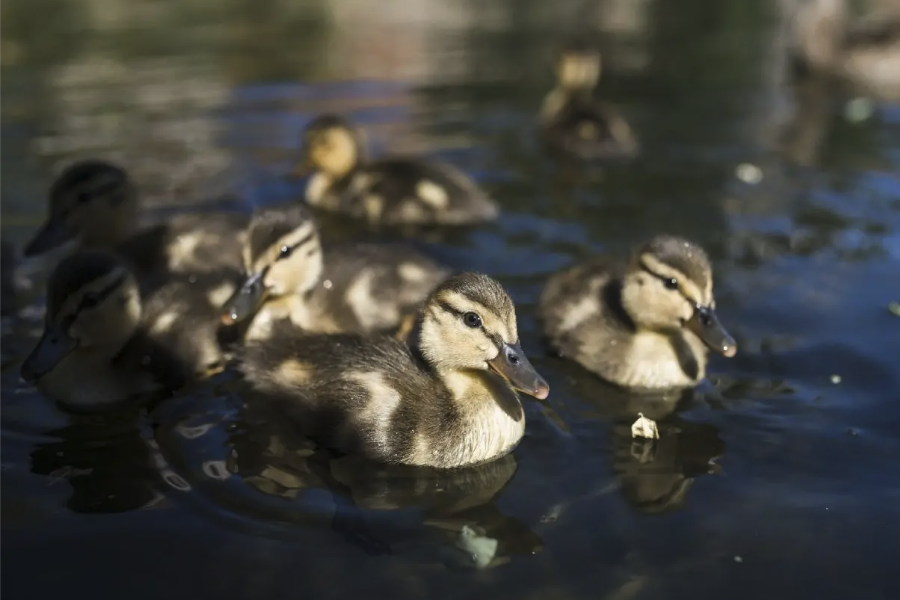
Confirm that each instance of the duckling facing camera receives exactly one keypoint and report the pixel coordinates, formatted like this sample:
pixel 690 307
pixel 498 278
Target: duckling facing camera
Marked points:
pixel 448 399
pixel 573 122
pixel 93 204
pixel 647 324
pixel 103 344
pixel 389 191
pixel 356 288
pixel 865 54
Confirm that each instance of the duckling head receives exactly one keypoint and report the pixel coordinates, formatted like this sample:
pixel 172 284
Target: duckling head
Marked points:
pixel 282 256
pixel 332 145
pixel 93 305
pixel 92 203
pixel 669 287
pixel 469 323
pixel 578 66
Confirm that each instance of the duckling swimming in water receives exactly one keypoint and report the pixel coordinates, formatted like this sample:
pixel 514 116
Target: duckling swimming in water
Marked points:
pixel 103 344
pixel 389 191
pixel 865 54
pixel 358 288
pixel 572 121
pixel 93 204
pixel 446 400
pixel 644 325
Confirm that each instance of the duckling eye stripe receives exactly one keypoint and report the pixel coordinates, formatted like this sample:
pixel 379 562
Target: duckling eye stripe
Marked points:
pixel 659 269
pixel 103 294
pixel 496 339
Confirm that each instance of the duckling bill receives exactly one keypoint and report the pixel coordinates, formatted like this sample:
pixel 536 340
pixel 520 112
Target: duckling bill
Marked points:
pixel 446 400
pixel 647 324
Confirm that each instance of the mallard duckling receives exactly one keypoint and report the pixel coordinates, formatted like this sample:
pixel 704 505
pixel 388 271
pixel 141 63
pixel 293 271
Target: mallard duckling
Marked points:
pixel 643 325
pixel 93 204
pixel 572 121
pixel 390 191
pixel 865 54
pixel 359 288
pixel 102 343
pixel 446 400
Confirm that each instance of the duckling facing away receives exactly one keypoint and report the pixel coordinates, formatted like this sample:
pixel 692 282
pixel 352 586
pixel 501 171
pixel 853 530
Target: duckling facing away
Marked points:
pixel 390 191
pixel 865 54
pixel 103 344
pixel 94 204
pixel 447 400
pixel 358 288
pixel 572 121
pixel 641 325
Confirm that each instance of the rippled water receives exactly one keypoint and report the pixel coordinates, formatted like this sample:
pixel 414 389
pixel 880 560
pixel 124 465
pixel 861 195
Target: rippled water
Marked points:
pixel 775 478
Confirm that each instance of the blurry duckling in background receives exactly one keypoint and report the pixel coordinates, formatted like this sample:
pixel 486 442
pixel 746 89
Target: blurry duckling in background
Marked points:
pixel 572 121
pixel 446 400
pixel 865 54
pixel 644 325
pixel 93 204
pixel 13 284
pixel 103 344
pixel 389 191
pixel 358 288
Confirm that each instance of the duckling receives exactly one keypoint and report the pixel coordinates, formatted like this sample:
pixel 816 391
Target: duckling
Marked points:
pixel 643 325
pixel 865 54
pixel 448 399
pixel 93 204
pixel 572 121
pixel 103 344
pixel 390 191
pixel 357 288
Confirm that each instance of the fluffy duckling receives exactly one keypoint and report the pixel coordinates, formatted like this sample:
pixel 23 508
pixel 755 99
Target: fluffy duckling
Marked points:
pixel 357 288
pixel 93 204
pixel 865 54
pixel 643 325
pixel 572 121
pixel 446 400
pixel 103 344
pixel 390 191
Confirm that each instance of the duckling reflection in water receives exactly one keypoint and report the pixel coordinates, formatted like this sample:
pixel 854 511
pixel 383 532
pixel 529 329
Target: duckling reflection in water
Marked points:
pixel 646 324
pixel 102 342
pixel 572 121
pixel 359 288
pixel 446 400
pixel 389 191
pixel 93 204
pixel 865 54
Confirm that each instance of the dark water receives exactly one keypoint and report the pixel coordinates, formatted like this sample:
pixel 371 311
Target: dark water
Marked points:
pixel 771 480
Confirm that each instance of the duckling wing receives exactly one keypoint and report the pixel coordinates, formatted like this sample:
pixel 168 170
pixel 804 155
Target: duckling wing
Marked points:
pixel 181 321
pixel 372 287
pixel 588 129
pixel 398 191
pixel 360 395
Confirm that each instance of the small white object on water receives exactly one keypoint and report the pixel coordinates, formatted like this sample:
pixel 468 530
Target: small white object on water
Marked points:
pixel 645 428
pixel 482 549
pixel 749 173
pixel 859 110
pixel 738 559
pixel 835 379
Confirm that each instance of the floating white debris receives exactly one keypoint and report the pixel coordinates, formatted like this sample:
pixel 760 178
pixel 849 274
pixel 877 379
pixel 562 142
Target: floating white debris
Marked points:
pixel 645 428
pixel 835 379
pixel 482 549
pixel 859 110
pixel 749 173
pixel 738 559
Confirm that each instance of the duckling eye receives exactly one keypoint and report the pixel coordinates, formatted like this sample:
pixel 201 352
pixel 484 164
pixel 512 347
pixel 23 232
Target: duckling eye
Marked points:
pixel 83 198
pixel 472 320
pixel 671 283
pixel 285 251
pixel 90 301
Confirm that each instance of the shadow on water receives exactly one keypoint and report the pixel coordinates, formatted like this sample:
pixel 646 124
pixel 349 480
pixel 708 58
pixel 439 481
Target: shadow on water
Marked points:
pixel 774 478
